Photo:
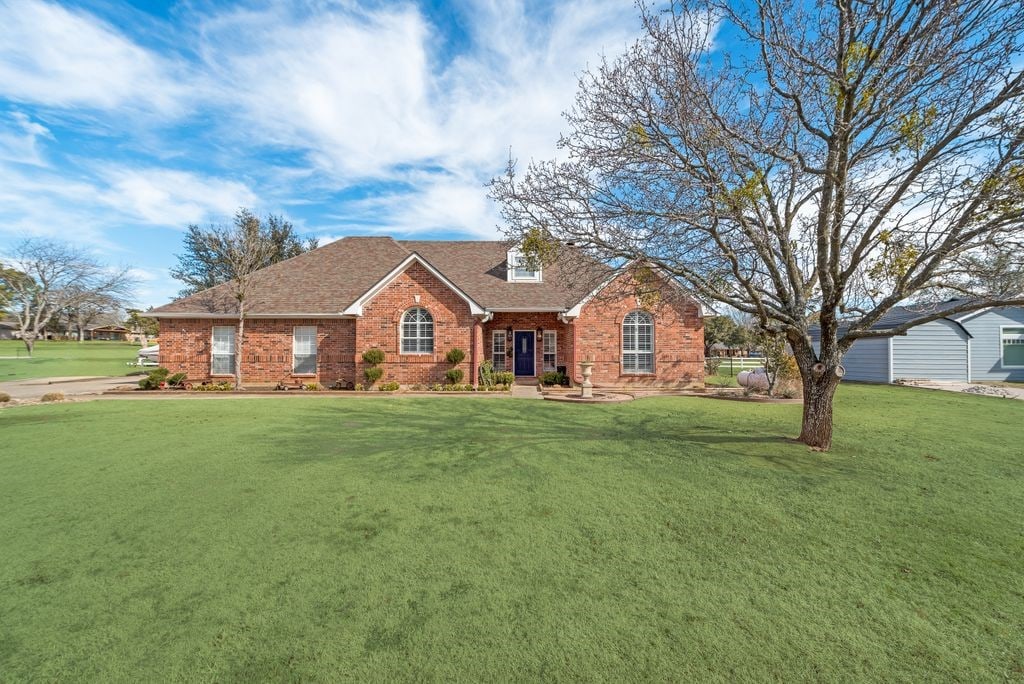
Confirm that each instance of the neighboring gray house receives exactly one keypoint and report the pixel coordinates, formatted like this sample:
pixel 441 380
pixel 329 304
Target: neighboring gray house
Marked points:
pixel 8 329
pixel 987 344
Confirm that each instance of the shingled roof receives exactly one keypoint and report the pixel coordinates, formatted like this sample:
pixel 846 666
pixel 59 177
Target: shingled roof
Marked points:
pixel 899 315
pixel 327 280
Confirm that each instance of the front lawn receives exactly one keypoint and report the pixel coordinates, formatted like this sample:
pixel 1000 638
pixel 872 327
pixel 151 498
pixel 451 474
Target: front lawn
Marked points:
pixel 667 539
pixel 61 358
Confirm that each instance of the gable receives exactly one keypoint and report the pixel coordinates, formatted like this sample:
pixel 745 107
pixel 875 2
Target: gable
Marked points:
pixel 620 286
pixel 356 308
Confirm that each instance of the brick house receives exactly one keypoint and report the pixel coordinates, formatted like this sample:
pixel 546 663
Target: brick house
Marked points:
pixel 312 317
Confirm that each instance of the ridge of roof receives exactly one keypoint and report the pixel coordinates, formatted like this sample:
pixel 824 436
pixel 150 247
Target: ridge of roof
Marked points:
pixel 329 280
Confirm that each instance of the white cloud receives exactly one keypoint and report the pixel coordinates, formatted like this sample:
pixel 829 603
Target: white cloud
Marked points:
pixel 173 198
pixel 351 89
pixel 363 94
pixel 20 141
pixel 367 95
pixel 55 56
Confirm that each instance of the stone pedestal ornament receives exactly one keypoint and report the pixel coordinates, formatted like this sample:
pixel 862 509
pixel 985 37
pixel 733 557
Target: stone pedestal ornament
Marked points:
pixel 587 388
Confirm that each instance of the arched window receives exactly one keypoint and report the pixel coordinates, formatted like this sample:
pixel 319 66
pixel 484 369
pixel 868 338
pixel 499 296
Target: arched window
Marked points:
pixel 638 343
pixel 417 332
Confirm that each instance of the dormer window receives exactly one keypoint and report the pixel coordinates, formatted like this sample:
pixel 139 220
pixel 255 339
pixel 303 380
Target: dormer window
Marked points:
pixel 519 271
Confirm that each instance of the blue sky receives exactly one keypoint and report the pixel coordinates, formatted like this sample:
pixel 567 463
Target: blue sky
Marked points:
pixel 121 122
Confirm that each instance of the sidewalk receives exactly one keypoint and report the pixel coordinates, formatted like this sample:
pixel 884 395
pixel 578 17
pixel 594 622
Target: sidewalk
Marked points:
pixel 33 388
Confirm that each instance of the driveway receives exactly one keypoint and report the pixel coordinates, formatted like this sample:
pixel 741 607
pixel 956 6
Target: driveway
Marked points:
pixel 34 388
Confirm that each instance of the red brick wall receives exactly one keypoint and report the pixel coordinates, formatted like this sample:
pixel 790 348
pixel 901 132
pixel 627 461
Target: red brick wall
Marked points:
pixel 597 334
pixel 382 316
pixel 678 340
pixel 266 352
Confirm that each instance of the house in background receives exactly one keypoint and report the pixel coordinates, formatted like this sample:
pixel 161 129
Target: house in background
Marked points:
pixel 110 332
pixel 983 345
pixel 312 317
pixel 9 329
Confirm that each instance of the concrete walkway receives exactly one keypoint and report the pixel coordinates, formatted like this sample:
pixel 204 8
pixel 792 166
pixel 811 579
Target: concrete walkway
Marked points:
pixel 995 390
pixel 526 392
pixel 34 388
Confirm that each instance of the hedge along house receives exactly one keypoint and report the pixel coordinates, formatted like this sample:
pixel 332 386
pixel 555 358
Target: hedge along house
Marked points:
pixel 310 318
pixel 983 345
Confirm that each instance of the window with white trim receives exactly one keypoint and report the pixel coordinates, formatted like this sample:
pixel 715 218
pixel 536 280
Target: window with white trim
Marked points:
pixel 417 332
pixel 1011 343
pixel 304 350
pixel 222 356
pixel 519 270
pixel 550 350
pixel 638 343
pixel 498 349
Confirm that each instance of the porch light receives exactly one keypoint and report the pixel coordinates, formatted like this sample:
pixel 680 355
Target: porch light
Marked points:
pixel 508 333
pixel 540 333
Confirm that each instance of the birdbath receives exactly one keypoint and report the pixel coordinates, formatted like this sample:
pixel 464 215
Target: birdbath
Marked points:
pixel 587 388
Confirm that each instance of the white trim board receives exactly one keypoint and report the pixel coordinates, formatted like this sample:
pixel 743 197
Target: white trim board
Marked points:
pixel 1002 347
pixel 234 315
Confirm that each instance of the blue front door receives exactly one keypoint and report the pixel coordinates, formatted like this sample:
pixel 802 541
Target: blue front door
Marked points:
pixel 524 352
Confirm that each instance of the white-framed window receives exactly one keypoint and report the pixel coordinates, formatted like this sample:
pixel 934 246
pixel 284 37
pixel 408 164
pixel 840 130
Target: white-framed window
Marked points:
pixel 1011 346
pixel 550 350
pixel 498 349
pixel 518 271
pixel 417 332
pixel 638 343
pixel 304 350
pixel 222 357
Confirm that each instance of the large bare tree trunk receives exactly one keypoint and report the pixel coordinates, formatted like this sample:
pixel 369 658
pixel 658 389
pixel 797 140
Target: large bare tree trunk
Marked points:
pixel 816 427
pixel 30 342
pixel 820 374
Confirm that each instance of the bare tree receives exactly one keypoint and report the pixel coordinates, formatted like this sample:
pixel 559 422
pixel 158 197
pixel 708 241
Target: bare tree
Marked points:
pixel 91 307
pixel 45 278
pixel 812 164
pixel 241 248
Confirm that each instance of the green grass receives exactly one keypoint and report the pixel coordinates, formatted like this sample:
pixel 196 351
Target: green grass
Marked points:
pixel 59 358
pixel 719 380
pixel 666 539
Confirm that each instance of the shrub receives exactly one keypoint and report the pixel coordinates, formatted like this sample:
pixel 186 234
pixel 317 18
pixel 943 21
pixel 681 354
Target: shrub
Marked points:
pixel 453 376
pixel 437 387
pixel 373 374
pixel 418 387
pixel 154 379
pixel 388 387
pixel 373 357
pixel 468 388
pixel 711 366
pixel 504 378
pixel 487 373
pixel 177 379
pixel 553 378
pixel 313 387
pixel 455 356
pixel 359 387
pixel 52 396
pixel 4 397
pixel 223 386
